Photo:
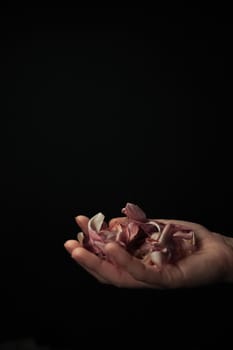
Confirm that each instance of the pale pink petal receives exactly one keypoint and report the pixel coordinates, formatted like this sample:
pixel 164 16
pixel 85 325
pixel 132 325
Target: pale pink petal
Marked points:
pixel 133 212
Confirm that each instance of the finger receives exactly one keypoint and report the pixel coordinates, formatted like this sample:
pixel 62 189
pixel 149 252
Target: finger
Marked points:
pixel 82 222
pixel 149 275
pixel 70 245
pixel 105 270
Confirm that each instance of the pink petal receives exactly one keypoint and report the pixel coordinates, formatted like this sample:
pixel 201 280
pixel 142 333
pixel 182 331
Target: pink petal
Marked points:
pixel 133 212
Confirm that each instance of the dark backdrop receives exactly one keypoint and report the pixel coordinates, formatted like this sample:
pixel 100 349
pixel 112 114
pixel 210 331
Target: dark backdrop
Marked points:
pixel 101 106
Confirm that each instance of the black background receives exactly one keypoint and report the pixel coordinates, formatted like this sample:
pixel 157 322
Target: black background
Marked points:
pixel 101 106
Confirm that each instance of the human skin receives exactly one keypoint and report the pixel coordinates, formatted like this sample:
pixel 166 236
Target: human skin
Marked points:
pixel 212 262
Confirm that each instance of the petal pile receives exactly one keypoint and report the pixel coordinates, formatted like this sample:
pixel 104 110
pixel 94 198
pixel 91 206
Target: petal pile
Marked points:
pixel 149 240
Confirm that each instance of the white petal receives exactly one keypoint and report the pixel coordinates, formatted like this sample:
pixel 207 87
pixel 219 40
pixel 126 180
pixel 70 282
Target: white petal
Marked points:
pixel 80 237
pixel 96 222
pixel 157 258
pixel 155 236
pixel 155 224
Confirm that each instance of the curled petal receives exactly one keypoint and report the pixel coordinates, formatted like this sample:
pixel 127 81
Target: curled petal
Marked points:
pixel 96 222
pixel 154 223
pixel 133 212
pixel 165 235
pixel 80 237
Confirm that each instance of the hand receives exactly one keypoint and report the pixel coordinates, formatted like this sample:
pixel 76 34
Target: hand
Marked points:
pixel 212 262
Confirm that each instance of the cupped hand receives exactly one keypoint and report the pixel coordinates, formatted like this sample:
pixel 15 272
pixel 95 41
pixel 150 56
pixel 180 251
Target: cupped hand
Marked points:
pixel 212 262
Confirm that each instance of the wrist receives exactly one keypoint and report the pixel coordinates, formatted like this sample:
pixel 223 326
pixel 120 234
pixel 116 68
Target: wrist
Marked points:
pixel 229 243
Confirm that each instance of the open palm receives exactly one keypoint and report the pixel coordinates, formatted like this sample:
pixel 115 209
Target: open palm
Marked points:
pixel 212 262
